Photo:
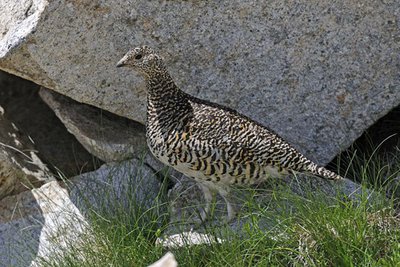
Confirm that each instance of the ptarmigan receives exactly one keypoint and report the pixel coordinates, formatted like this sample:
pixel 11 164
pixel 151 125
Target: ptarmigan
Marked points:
pixel 215 145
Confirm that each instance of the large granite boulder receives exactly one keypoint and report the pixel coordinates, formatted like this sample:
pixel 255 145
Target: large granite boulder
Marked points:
pixel 318 74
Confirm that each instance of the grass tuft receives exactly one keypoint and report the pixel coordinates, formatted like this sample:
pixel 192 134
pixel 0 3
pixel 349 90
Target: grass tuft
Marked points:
pixel 283 229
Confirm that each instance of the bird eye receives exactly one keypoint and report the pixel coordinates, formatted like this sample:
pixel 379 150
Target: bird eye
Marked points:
pixel 139 56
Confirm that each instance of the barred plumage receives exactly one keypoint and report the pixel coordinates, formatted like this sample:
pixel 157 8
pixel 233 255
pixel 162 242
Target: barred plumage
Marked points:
pixel 215 145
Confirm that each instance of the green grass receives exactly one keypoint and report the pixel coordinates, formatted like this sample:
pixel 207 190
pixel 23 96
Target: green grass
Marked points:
pixel 284 230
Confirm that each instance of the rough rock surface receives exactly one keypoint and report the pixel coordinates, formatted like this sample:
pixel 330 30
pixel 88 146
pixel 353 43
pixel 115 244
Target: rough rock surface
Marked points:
pixel 318 74
pixel 20 166
pixel 47 220
pixel 58 149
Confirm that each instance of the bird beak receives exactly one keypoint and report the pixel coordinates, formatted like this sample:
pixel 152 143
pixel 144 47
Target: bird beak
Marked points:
pixel 122 62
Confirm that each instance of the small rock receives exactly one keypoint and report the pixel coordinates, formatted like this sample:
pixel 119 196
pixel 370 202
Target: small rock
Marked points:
pixel 120 184
pixel 187 239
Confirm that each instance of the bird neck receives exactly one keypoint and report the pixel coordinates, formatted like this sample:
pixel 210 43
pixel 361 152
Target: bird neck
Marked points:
pixel 167 105
pixel 161 88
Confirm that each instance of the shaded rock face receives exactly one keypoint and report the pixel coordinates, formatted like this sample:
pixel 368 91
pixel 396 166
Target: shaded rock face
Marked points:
pixel 105 135
pixel 318 74
pixel 58 149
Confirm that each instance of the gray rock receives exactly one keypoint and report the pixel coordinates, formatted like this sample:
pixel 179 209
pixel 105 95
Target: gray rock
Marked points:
pixel 37 223
pixel 302 185
pixel 20 166
pixel 126 185
pixel 319 75
pixel 45 222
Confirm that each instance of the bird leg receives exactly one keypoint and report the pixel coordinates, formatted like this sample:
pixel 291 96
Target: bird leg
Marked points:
pixel 209 191
pixel 209 196
pixel 224 192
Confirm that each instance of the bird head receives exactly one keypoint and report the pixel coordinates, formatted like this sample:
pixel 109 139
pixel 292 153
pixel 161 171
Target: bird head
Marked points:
pixel 144 60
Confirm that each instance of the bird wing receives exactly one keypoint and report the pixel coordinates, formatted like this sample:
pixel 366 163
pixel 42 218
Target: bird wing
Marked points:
pixel 241 139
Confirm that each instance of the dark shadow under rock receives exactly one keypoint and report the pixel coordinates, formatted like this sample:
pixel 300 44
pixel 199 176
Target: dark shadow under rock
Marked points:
pixel 375 156
pixel 58 148
pixel 382 140
pixel 21 167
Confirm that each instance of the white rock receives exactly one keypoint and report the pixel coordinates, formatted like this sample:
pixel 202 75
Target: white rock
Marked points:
pixel 168 260
pixel 187 239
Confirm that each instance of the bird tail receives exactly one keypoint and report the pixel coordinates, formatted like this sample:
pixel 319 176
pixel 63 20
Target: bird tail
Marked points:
pixel 323 172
